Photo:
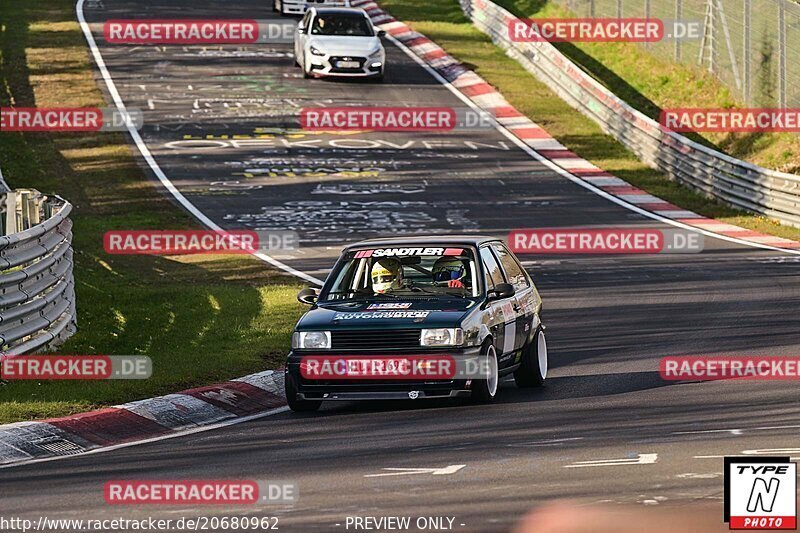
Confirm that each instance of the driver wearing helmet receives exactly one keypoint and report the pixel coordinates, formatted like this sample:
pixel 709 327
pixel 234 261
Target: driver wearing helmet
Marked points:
pixel 387 274
pixel 451 270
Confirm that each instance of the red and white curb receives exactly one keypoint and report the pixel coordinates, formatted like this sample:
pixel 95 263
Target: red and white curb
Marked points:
pixel 173 415
pixel 533 136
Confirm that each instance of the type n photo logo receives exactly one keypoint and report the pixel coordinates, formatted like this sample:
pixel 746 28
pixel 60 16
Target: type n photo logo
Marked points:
pixel 760 493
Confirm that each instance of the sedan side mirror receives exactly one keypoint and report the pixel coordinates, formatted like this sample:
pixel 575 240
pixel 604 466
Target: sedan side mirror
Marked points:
pixel 381 33
pixel 501 291
pixel 308 296
pixel 301 30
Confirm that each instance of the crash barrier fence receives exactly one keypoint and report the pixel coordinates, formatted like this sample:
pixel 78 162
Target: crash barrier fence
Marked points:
pixel 752 46
pixel 37 289
pixel 741 184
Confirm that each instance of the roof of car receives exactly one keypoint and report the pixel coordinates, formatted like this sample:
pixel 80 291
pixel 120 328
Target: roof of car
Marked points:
pixel 339 10
pixel 464 240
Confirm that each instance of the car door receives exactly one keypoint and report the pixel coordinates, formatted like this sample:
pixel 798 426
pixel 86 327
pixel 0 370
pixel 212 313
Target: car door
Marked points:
pixel 501 317
pixel 526 299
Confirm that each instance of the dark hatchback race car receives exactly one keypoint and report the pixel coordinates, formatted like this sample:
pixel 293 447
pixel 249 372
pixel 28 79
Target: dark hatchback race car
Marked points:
pixel 395 313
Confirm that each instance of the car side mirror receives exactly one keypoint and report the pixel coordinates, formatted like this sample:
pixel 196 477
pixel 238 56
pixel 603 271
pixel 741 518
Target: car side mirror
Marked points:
pixel 301 30
pixel 381 33
pixel 501 291
pixel 308 296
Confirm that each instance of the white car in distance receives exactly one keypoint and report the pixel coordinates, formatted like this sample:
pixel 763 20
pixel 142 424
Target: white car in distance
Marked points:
pixel 339 42
pixel 298 7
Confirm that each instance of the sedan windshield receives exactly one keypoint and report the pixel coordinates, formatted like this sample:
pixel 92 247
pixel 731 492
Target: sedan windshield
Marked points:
pixel 402 273
pixel 354 25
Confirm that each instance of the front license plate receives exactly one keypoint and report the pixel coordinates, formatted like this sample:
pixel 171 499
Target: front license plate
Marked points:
pixel 347 64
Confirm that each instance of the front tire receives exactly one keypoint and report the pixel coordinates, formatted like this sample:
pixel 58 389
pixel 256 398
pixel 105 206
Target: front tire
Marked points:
pixel 298 406
pixel 533 370
pixel 485 390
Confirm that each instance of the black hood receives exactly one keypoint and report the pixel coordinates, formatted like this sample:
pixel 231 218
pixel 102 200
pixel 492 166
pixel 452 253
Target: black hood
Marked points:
pixel 387 314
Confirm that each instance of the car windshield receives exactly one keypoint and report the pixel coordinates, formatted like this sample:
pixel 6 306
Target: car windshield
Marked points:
pixel 388 273
pixel 354 25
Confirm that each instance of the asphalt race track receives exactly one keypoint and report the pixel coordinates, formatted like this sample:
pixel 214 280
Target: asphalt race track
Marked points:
pixel 218 121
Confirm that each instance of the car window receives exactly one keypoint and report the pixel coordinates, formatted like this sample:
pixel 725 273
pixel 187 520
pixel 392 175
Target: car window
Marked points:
pixel 404 271
pixel 355 25
pixel 513 270
pixel 493 274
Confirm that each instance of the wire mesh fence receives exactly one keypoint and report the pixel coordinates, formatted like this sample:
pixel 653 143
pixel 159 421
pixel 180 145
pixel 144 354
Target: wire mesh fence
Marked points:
pixel 752 46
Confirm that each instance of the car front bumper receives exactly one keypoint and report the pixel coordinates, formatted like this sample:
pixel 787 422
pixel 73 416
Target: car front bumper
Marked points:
pixel 373 389
pixel 329 66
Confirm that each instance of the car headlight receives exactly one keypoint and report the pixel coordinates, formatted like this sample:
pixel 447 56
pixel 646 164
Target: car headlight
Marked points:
pixel 442 337
pixel 376 54
pixel 311 340
pixel 315 51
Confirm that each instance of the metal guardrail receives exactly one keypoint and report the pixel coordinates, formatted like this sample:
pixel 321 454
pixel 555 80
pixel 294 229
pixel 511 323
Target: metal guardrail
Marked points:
pixel 741 184
pixel 37 290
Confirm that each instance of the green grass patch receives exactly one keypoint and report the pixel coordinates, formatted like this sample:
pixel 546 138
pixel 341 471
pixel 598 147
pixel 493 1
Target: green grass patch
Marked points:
pixel 446 24
pixel 201 319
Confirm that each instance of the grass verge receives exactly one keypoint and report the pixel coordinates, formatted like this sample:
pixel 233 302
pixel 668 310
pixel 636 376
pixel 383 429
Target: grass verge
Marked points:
pixel 200 318
pixel 445 23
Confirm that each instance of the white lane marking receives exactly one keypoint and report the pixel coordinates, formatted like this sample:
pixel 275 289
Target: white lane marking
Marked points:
pixel 148 156
pixel 704 431
pixel 447 470
pixel 564 173
pixel 735 431
pixel 774 451
pixel 551 442
pixel 763 451
pixel 642 459
pixel 183 433
pixel 694 475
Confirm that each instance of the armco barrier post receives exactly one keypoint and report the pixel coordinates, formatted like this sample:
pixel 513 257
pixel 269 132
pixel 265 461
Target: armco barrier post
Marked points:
pixel 37 289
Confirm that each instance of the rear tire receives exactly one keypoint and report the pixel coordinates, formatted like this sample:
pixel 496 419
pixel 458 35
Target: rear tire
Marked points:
pixel 533 370
pixel 485 390
pixel 298 406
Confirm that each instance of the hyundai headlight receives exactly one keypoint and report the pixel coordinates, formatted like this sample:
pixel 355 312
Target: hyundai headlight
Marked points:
pixel 315 51
pixel 311 340
pixel 442 337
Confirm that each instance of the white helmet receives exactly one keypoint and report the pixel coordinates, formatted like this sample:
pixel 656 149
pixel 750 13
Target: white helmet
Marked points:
pixel 387 273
